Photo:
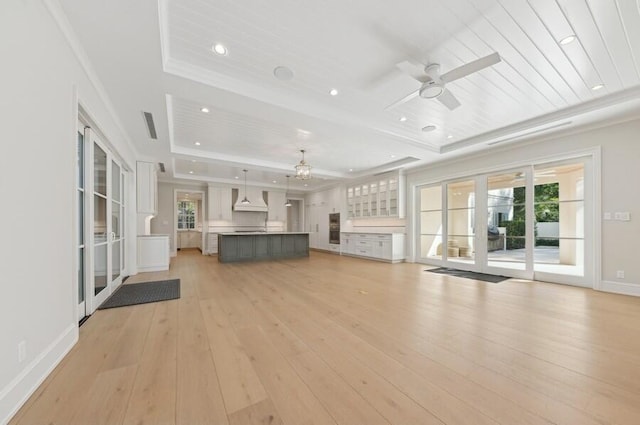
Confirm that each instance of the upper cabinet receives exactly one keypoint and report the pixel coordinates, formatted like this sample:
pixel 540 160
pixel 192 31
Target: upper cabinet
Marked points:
pixel 379 197
pixel 219 203
pixel 147 188
pixel 277 211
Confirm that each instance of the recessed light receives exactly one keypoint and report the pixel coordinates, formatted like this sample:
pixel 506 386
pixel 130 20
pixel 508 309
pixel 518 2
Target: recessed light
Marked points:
pixel 597 87
pixel 450 137
pixel 428 128
pixel 283 73
pixel 236 177
pixel 193 160
pixel 274 181
pixel 568 39
pixel 220 49
pixel 350 169
pixel 204 109
pixel 393 156
pixel 333 92
pixel 403 119
pixel 190 172
pixel 305 185
pixel 197 143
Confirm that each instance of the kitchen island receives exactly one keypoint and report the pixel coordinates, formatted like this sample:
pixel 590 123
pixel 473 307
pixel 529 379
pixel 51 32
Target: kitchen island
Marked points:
pixel 257 246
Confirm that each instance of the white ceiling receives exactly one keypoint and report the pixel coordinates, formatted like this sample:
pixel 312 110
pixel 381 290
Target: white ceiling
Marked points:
pixel 157 57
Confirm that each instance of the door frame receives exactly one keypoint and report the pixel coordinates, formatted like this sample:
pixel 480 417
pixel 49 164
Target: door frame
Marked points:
pixel 205 223
pixel 593 211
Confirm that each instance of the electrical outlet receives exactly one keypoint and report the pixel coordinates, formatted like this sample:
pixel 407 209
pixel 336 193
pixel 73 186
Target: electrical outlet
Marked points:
pixel 620 274
pixel 22 351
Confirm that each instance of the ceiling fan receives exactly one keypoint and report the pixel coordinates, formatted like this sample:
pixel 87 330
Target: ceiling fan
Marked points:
pixel 434 85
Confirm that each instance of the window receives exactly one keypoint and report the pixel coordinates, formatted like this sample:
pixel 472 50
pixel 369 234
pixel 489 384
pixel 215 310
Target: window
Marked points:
pixel 186 215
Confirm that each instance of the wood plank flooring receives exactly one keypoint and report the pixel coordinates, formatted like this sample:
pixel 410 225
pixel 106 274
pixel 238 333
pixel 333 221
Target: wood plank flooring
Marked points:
pixel 337 340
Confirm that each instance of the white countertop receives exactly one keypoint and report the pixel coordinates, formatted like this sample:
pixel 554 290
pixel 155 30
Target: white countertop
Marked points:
pixel 262 233
pixel 377 233
pixel 153 236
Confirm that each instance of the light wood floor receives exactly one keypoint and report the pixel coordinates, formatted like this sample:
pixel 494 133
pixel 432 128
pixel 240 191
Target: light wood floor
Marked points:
pixel 337 340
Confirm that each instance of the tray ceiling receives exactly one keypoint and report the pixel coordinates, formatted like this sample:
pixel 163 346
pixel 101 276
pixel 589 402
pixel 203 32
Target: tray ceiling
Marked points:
pixel 258 121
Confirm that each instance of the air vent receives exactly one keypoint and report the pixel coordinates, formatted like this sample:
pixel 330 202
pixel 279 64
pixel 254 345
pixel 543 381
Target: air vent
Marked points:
pixel 151 127
pixel 161 166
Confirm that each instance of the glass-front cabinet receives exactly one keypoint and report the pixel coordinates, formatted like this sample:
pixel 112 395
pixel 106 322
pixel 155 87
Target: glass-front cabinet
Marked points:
pixel 382 197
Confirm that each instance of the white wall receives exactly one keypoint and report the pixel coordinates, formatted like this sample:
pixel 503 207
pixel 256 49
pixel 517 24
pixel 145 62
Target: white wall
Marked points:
pixel 620 156
pixel 38 112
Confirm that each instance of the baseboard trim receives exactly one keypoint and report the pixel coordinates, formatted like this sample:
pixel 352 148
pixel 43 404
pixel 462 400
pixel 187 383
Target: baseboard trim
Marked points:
pixel 18 391
pixel 326 251
pixel 620 288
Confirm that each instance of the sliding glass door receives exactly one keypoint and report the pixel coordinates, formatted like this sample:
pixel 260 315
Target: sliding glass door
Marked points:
pixel 105 265
pixel 527 222
pixel 508 224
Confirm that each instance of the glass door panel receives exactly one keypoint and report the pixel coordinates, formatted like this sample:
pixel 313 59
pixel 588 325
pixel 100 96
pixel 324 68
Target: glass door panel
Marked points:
pixel 461 222
pixel 80 220
pixel 373 194
pixel 393 197
pixel 350 209
pixel 431 222
pixel 357 202
pixel 559 209
pixel 365 201
pixel 506 220
pixel 383 198
pixel 100 242
pixel 116 227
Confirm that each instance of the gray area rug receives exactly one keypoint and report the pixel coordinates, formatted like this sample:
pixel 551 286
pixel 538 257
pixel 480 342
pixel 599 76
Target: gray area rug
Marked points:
pixel 142 293
pixel 469 275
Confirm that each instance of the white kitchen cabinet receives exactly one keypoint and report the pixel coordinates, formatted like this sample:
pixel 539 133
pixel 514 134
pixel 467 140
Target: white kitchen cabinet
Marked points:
pixel 378 246
pixel 383 197
pixel 212 243
pixel 219 203
pixel 146 188
pixel 153 253
pixel 277 211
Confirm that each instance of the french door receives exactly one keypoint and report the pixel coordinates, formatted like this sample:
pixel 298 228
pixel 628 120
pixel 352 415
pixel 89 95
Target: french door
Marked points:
pixel 101 200
pixel 529 222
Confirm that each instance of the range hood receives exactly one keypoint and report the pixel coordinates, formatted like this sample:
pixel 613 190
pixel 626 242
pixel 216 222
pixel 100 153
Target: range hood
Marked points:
pixel 254 195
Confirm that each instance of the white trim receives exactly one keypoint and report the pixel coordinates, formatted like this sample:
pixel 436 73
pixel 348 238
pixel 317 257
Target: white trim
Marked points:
pixel 609 100
pixel 60 18
pixel 293 103
pixel 623 288
pixel 18 391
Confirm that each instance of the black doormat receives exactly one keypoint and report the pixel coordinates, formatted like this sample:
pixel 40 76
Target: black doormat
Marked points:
pixel 142 293
pixel 469 275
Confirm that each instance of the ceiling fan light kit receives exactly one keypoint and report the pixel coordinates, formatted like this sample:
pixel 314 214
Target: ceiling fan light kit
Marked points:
pixel 433 85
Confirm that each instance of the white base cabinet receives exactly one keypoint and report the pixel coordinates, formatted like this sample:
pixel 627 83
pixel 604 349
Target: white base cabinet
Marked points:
pixel 153 253
pixel 212 243
pixel 378 246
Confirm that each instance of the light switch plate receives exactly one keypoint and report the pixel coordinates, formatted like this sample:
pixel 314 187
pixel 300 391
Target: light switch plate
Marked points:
pixel 607 216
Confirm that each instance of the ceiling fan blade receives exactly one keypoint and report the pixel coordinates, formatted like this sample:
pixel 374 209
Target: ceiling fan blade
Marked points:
pixel 413 69
pixel 471 67
pixel 405 99
pixel 448 99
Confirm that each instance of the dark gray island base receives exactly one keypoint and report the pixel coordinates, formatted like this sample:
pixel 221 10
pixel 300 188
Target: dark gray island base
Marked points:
pixel 233 247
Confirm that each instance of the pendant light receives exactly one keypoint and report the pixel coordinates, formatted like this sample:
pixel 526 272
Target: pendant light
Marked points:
pixel 303 170
pixel 286 194
pixel 245 201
